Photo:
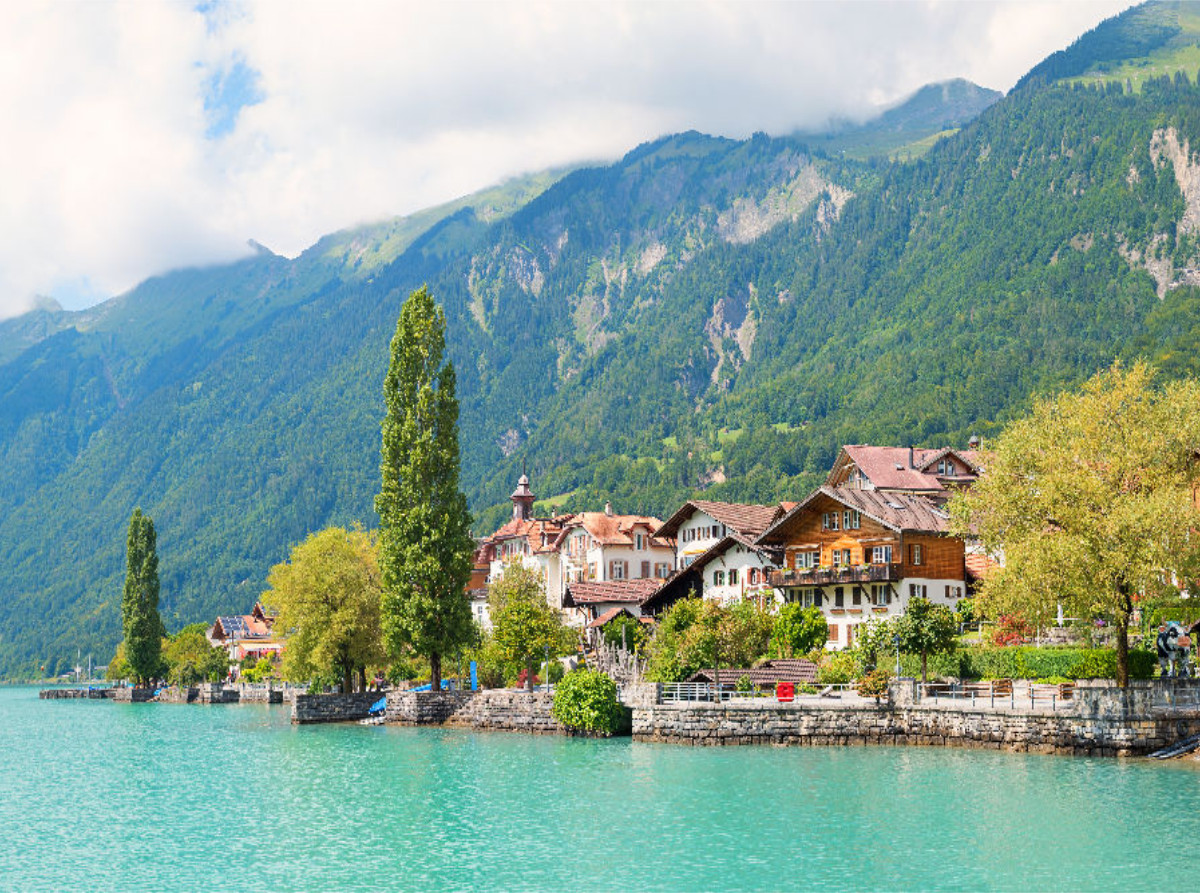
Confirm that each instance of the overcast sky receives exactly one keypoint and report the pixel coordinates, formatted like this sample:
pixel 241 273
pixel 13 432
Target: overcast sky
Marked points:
pixel 144 136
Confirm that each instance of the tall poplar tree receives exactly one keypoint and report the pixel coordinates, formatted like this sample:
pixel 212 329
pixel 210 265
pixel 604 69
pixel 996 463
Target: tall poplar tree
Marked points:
pixel 425 545
pixel 139 602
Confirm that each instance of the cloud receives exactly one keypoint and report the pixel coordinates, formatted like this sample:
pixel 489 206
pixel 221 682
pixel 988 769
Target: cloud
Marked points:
pixel 154 135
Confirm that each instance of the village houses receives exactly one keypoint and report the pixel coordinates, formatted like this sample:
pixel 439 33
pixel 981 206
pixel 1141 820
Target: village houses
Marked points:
pixel 871 538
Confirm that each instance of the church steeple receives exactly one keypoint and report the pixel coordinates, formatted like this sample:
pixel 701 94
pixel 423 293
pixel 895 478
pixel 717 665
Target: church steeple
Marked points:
pixel 522 499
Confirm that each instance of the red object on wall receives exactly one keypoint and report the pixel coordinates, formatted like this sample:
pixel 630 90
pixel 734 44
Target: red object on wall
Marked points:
pixel 785 691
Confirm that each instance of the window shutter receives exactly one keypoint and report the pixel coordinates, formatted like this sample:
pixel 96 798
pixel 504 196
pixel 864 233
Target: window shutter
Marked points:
pixel 645 568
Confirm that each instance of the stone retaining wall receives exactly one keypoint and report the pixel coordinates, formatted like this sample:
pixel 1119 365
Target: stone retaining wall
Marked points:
pixel 508 710
pixel 259 693
pixel 333 708
pixel 997 729
pixel 133 695
pixel 217 693
pixel 56 694
pixel 177 695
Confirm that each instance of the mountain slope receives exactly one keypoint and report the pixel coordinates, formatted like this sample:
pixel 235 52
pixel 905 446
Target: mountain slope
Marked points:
pixel 703 315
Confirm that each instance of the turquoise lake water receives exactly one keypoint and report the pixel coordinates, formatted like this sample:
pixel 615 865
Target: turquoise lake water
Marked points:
pixel 103 796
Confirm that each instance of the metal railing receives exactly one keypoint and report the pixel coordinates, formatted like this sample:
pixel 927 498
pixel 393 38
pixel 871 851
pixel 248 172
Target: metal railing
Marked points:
pixel 873 573
pixel 698 692
pixel 1000 693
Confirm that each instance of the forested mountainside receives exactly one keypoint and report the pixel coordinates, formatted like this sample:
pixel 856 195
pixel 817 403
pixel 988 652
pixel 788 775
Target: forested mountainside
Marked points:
pixel 706 315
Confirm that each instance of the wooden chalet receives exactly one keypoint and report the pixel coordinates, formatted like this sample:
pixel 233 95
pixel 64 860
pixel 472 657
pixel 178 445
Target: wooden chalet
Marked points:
pixel 860 553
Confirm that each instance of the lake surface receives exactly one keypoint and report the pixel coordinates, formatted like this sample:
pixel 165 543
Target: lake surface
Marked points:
pixel 102 796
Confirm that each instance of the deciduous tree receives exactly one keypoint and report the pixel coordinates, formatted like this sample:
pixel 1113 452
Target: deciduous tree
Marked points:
pixel 425 536
pixel 1091 500
pixel 926 628
pixel 142 626
pixel 524 626
pixel 326 598
pixel 798 630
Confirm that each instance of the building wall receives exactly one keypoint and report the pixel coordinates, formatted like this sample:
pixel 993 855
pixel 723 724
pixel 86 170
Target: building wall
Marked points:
pixel 740 559
pixel 702 525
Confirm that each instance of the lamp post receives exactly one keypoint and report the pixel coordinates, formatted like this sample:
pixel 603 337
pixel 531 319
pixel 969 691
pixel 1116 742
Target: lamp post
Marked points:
pixel 896 641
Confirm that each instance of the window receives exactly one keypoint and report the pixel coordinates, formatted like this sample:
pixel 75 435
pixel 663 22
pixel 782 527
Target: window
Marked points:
pixel 645 569
pixel 914 553
pixel 807 559
pixel 833 633
pixel 733 576
pixel 718 578
pixel 752 576
pixel 839 597
pixel 662 570
pixel 953 592
pixel 851 520
pixel 850 634
pixel 916 590
pixel 591 570
pixel 639 542
pixel 846 556
pixel 837 557
pixel 830 521
pixel 881 555
pixel 881 595
pixel 856 596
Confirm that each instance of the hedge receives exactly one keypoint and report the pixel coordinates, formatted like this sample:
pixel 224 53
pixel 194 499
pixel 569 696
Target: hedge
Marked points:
pixel 1029 663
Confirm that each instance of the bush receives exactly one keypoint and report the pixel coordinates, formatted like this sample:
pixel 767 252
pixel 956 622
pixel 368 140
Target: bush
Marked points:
pixel 798 629
pixel 838 668
pixel 1011 630
pixel 586 700
pixel 874 684
pixel 744 684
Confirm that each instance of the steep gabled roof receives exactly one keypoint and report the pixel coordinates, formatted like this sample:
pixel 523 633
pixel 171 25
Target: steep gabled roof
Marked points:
pixel 891 468
pixel 240 626
pixel 897 511
pixel 746 519
pixel 626 591
pixel 767 553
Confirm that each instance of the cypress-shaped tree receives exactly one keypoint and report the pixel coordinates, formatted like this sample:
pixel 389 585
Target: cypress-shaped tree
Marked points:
pixel 139 602
pixel 425 545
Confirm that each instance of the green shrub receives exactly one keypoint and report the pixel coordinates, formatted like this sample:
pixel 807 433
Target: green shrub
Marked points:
pixel 586 700
pixel 744 684
pixel 838 668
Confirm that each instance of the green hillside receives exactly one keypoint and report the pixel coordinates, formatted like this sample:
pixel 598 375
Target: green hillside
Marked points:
pixel 704 315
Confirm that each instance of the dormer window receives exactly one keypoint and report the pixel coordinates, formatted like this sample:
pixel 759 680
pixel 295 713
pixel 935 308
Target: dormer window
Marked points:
pixel 640 542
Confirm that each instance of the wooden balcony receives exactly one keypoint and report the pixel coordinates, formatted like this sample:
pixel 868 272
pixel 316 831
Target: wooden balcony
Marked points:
pixel 872 573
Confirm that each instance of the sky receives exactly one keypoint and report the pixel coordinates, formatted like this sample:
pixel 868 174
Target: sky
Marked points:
pixel 145 136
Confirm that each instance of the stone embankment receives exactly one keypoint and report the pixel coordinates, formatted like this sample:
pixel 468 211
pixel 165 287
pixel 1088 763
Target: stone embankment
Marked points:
pixel 57 694
pixel 318 708
pixel 1099 720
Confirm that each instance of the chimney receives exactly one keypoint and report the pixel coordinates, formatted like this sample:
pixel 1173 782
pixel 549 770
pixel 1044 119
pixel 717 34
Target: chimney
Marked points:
pixel 910 458
pixel 608 509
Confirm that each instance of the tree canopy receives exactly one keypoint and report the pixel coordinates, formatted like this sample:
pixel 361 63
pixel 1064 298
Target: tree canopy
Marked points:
pixel 1090 499
pixel 798 630
pixel 925 628
pixel 425 529
pixel 524 626
pixel 139 601
pixel 326 598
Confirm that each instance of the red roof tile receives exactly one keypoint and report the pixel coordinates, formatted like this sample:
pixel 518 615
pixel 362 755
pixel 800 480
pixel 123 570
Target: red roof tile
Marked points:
pixel 594 592
pixel 747 519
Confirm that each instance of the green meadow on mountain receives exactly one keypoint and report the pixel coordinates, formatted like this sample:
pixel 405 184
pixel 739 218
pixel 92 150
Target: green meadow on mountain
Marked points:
pixel 706 315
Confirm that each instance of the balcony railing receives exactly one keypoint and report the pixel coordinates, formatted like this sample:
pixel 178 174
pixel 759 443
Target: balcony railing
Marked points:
pixel 872 573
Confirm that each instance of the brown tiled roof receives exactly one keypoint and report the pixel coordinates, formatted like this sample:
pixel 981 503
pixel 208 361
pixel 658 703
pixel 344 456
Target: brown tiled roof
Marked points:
pixel 240 626
pixel 541 533
pixel 607 616
pixel 888 467
pixel 901 512
pixel 593 592
pixel 613 530
pixel 979 565
pixel 770 672
pixel 746 519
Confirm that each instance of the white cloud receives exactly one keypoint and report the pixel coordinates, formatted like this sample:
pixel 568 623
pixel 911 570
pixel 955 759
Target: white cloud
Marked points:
pixel 372 109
